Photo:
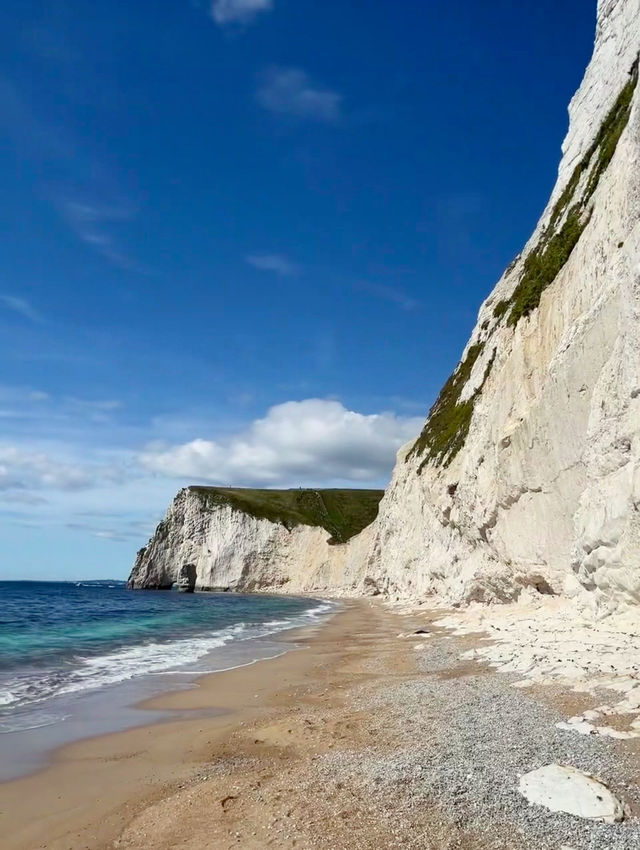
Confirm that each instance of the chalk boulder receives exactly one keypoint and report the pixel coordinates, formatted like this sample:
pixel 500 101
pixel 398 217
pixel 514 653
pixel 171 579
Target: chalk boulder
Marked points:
pixel 561 788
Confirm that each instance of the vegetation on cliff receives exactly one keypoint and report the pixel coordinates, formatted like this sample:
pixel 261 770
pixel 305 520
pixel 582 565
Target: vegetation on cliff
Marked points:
pixel 446 429
pixel 343 513
pixel 447 426
pixel 544 263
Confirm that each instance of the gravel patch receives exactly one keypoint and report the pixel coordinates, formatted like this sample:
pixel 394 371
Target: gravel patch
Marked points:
pixel 463 744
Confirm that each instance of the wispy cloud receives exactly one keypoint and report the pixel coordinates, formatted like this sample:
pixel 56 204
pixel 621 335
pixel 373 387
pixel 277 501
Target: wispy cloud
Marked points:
pixel 62 457
pixel 124 531
pixel 277 263
pixel 389 293
pixel 29 469
pixel 226 12
pixel 20 306
pixel 92 223
pixel 290 91
pixel 47 142
pixel 95 405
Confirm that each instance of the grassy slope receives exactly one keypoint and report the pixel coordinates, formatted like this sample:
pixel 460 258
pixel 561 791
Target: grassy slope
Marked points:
pixel 343 513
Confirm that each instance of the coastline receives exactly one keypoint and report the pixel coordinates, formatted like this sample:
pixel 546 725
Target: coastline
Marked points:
pixel 366 735
pixel 98 778
pixel 96 688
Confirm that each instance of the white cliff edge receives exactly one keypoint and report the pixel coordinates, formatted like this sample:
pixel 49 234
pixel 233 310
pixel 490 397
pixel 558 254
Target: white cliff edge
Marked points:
pixel 543 491
pixel 232 550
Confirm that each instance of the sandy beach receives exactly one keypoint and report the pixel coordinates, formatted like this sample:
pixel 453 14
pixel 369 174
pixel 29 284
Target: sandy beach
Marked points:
pixel 358 738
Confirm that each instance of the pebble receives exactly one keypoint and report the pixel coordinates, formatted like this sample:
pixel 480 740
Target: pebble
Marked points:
pixel 464 743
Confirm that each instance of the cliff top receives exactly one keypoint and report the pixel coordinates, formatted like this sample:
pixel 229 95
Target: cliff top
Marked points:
pixel 343 513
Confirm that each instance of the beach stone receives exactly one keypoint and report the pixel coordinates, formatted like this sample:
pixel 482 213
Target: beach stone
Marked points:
pixel 562 788
pixel 577 724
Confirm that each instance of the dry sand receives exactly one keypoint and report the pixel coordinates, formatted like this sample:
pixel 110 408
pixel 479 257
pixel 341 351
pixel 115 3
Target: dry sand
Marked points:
pixel 359 739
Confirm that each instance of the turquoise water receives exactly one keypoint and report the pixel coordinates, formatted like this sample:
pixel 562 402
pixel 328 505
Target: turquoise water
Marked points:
pixel 59 640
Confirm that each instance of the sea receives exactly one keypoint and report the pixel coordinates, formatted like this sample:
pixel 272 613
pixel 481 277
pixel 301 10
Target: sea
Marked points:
pixel 76 657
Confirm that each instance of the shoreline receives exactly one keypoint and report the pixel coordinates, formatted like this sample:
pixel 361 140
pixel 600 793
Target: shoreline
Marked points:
pixel 219 700
pixel 374 730
pixel 32 736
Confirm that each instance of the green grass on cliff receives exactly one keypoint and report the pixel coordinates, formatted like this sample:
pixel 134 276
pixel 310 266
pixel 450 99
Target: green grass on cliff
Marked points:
pixel 343 513
pixel 547 260
pixel 446 429
pixel 447 426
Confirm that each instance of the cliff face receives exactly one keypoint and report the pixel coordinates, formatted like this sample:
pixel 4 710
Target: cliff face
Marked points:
pixel 232 549
pixel 527 472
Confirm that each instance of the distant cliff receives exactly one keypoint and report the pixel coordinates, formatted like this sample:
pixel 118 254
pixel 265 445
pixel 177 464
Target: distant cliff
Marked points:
pixel 242 539
pixel 527 472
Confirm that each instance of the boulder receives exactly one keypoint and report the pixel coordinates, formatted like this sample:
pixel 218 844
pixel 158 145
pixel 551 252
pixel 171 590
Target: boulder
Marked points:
pixel 562 788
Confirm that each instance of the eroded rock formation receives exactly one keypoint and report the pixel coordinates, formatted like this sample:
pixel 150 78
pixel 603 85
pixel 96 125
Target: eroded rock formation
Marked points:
pixel 232 545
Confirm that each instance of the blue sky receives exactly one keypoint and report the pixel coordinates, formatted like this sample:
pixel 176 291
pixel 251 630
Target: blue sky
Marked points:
pixel 245 241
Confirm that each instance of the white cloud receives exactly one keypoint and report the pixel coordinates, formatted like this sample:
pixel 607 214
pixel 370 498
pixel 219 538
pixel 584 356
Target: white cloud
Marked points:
pixel 289 91
pixel 61 468
pixel 238 11
pixel 32 470
pixel 20 306
pixel 274 263
pixel 308 442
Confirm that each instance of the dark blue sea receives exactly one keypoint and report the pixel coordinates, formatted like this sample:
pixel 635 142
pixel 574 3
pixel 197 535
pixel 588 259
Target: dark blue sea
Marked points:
pixel 65 646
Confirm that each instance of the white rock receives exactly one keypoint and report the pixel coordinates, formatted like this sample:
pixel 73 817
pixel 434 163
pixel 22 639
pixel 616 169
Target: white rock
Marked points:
pixel 610 732
pixel 592 715
pixel 544 494
pixel 566 789
pixel 232 550
pixel 546 640
pixel 576 725
pixel 544 491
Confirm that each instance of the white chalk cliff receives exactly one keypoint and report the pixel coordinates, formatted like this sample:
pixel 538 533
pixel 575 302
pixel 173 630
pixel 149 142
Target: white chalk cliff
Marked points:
pixel 527 473
pixel 233 550
pixel 545 490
